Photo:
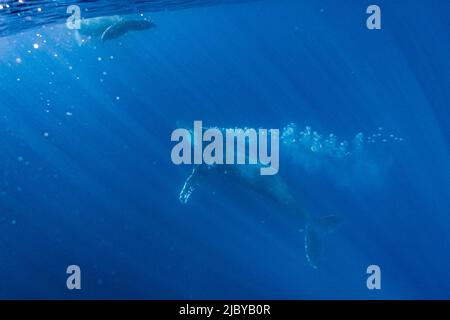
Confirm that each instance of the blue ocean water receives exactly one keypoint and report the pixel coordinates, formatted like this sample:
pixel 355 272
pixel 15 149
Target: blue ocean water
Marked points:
pixel 86 176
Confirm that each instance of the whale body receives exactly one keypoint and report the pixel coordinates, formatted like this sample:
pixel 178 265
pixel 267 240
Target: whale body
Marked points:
pixel 109 27
pixel 124 26
pixel 274 189
pixel 94 27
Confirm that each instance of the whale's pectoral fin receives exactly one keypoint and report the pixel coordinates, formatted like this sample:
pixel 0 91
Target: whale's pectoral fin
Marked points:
pixel 191 184
pixel 113 31
pixel 314 237
pixel 313 246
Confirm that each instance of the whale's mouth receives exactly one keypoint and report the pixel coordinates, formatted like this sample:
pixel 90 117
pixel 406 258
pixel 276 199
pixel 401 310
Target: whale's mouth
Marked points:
pixel 18 16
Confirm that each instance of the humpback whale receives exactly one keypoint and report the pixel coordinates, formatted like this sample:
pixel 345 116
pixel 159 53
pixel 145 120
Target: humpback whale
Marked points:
pixel 274 189
pixel 123 26
pixel 111 27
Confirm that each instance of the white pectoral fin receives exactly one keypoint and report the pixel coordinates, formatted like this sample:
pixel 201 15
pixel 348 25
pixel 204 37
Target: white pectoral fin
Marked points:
pixel 189 186
pixel 107 33
pixel 313 246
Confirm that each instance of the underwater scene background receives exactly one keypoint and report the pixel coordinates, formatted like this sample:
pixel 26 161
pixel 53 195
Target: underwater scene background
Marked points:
pixel 86 176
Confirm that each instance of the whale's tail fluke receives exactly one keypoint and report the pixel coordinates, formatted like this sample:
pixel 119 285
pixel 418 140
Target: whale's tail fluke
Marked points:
pixel 314 234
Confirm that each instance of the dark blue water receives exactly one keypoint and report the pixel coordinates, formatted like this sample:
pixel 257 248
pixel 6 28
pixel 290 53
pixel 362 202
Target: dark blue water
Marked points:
pixel 86 176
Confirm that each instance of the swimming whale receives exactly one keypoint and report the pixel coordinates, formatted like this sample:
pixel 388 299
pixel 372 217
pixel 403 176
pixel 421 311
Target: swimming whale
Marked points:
pixel 274 189
pixel 110 27
pixel 124 26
